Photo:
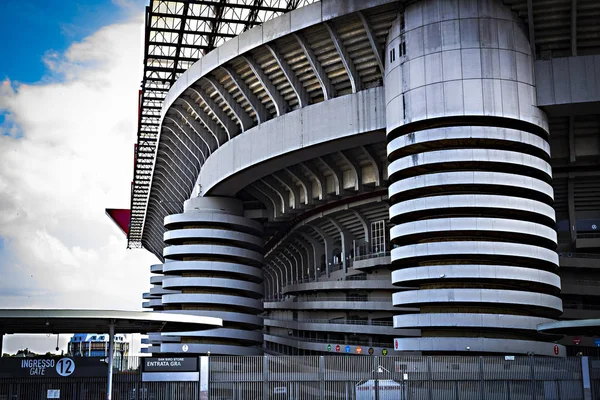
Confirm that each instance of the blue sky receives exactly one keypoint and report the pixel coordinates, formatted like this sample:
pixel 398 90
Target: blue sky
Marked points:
pixel 31 28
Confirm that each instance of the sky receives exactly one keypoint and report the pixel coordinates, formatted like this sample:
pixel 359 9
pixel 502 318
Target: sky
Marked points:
pixel 69 78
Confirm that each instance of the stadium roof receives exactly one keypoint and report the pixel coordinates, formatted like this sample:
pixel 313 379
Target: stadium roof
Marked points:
pixel 177 34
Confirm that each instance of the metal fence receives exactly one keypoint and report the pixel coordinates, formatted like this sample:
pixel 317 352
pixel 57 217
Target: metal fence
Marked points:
pixel 340 377
pixel 398 378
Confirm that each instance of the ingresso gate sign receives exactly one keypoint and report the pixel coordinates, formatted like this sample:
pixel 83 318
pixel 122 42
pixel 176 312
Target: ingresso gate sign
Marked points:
pixel 52 367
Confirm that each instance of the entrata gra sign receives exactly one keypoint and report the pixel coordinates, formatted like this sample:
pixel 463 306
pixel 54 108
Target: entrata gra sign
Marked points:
pixel 171 364
pixel 50 367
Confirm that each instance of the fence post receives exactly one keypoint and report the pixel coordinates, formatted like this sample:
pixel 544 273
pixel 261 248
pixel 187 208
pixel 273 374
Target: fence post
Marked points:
pixel 532 370
pixel 376 376
pixel 481 378
pixel 204 384
pixel 585 376
pixel 322 377
pixel 429 378
pixel 265 378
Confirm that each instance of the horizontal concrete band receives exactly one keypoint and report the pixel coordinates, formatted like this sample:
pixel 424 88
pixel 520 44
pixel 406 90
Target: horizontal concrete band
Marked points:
pixel 225 333
pixel 178 283
pixel 331 305
pixel 468 320
pixel 156 268
pixel 212 250
pixel 341 328
pixel 431 158
pixel 438 226
pixel 212 234
pixel 467 134
pixel 465 178
pixel 406 276
pixel 479 344
pixel 478 296
pixel 204 348
pixel 380 284
pixel 305 133
pixel 251 272
pixel 238 317
pixel 475 249
pixel 215 300
pixel 213 218
pixel 437 204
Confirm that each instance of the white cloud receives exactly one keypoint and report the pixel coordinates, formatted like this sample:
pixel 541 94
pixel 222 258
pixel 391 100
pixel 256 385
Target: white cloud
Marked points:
pixel 66 152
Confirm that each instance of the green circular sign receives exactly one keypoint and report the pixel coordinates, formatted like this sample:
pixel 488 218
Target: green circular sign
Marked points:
pixel 328 347
pixel 384 352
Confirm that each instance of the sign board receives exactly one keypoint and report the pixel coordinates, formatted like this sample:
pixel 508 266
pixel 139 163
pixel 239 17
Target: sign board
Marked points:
pixel 396 344
pixel 371 351
pixel 576 340
pixel 53 394
pixel 52 367
pixel 337 348
pixel 170 364
pixel 328 347
pixel 509 358
pixel 597 342
pixel 384 352
pixel 555 350
pixel 358 350
pixel 280 390
pixel 347 349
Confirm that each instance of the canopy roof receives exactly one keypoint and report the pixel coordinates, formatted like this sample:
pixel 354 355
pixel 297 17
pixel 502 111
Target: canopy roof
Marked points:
pixel 71 321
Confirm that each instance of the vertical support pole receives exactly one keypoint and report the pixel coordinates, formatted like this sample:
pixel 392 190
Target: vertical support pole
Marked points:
pixel 481 378
pixel 204 377
pixel 585 376
pixel 429 378
pixel 1 342
pixel 321 377
pixel 265 378
pixel 376 376
pixel 111 347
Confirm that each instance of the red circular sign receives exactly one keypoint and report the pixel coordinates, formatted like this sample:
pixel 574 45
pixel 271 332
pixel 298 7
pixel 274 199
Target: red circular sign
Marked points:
pixel 396 344
pixel 556 349
pixel 337 348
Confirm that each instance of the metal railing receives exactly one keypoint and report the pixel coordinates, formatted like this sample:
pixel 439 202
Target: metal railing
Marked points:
pixel 372 255
pixel 336 321
pixel 348 298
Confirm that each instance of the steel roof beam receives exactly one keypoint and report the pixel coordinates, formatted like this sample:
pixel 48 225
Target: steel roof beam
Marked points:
pixel 261 112
pixel 290 75
pixel 244 120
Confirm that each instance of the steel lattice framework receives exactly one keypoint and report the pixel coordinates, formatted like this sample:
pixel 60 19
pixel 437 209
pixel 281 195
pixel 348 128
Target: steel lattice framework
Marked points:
pixel 178 33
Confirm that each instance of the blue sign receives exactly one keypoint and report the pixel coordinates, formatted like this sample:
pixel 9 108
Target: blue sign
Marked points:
pixel 597 341
pixel 348 349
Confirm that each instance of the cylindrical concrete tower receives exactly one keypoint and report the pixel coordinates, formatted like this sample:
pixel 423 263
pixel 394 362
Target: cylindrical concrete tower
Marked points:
pixel 469 181
pixel 213 265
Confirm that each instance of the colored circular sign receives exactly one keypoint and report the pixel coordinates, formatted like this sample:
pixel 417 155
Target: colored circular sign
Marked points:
pixel 358 350
pixel 594 227
pixel 337 348
pixel 185 348
pixel 576 340
pixel 371 351
pixel 347 349
pixel 555 349
pixel 328 347
pixel 396 344
pixel 65 366
pixel 384 352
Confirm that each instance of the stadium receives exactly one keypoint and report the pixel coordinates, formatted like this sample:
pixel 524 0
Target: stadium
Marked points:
pixel 419 177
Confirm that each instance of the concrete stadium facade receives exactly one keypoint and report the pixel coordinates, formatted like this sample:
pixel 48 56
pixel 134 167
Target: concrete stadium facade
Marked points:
pixel 376 174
